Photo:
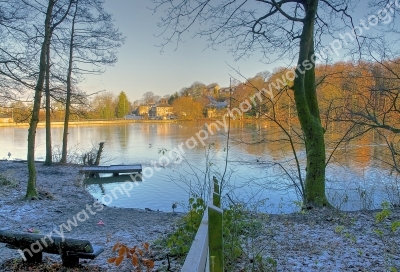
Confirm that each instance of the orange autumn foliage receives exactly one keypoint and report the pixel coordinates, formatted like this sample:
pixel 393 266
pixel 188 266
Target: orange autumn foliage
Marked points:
pixel 132 254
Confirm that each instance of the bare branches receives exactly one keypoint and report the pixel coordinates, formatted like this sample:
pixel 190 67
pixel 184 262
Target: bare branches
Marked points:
pixel 271 28
pixel 246 26
pixel 291 18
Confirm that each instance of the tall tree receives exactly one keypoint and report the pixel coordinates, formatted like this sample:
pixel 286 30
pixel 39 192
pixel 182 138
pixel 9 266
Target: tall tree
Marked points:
pixel 49 26
pixel 49 155
pixel 123 105
pixel 93 39
pixel 277 29
pixel 68 98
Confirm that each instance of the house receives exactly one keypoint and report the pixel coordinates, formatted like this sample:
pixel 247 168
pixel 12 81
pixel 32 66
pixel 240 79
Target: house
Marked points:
pixel 143 110
pixel 161 110
pixel 216 108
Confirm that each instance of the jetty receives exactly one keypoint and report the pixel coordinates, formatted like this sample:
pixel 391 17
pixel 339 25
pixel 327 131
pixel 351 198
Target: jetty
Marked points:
pixel 111 169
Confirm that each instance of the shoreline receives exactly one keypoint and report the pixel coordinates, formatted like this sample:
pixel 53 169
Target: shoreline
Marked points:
pixel 63 200
pixel 127 121
pixel 94 122
pixel 314 240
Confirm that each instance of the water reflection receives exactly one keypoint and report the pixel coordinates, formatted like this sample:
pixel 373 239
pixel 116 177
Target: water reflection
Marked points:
pixel 253 146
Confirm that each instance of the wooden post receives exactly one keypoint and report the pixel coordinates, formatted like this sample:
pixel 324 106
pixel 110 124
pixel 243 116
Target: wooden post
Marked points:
pixel 101 145
pixel 216 194
pixel 215 241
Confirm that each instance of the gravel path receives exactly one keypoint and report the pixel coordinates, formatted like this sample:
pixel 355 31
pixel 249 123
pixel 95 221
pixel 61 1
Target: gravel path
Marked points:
pixel 317 240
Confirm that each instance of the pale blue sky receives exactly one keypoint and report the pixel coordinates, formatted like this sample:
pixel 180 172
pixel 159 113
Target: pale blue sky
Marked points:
pixel 141 67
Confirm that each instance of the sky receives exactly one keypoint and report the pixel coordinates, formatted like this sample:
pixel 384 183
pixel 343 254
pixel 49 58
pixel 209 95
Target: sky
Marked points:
pixel 142 68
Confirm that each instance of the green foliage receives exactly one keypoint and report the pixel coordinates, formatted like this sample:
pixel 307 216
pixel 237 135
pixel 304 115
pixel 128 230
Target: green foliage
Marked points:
pixel 180 241
pixel 172 98
pixel 339 229
pixel 239 226
pixel 122 105
pixel 387 234
pixel 385 213
pixel 395 226
pixel 234 222
pixel 103 106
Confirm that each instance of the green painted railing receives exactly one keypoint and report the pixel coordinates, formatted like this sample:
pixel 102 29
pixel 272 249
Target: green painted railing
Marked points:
pixel 206 252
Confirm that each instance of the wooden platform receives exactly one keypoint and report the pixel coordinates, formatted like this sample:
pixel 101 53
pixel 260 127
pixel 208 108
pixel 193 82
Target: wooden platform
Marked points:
pixel 113 169
pixel 110 180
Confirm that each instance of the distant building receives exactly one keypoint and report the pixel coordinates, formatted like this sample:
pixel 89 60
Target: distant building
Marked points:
pixel 143 110
pixel 215 108
pixel 161 110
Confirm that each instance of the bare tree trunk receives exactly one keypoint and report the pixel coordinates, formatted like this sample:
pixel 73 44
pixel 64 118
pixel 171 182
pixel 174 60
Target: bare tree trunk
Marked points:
pixel 49 155
pixel 31 189
pixel 308 112
pixel 68 100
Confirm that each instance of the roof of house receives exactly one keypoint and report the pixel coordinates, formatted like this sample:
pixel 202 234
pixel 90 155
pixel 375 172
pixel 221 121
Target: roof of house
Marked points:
pixel 217 104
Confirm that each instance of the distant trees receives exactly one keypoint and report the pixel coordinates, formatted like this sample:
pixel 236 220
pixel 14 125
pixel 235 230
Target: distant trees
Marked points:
pixel 106 105
pixel 245 90
pixel 172 98
pixel 148 98
pixel 21 112
pixel 103 106
pixel 123 105
pixel 186 108
pixel 47 46
pixel 92 40
pixel 274 29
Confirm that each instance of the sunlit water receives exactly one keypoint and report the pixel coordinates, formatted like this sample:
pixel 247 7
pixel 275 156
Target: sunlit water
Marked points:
pixel 356 178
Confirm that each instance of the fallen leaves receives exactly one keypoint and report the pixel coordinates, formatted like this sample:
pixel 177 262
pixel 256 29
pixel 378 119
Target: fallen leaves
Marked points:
pixel 139 257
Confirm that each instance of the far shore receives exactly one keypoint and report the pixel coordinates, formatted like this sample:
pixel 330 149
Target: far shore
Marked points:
pixel 116 121
pixel 91 122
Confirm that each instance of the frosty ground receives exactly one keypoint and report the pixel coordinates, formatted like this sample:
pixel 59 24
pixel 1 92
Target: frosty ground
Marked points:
pixel 315 240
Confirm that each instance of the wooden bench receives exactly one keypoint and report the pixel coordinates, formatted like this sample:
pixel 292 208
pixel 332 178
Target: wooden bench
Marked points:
pixel 31 246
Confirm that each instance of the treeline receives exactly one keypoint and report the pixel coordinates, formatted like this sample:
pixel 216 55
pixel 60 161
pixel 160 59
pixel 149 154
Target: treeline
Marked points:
pixel 347 91
pixel 46 49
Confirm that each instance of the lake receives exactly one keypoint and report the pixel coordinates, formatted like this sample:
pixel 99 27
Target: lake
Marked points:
pixel 356 178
